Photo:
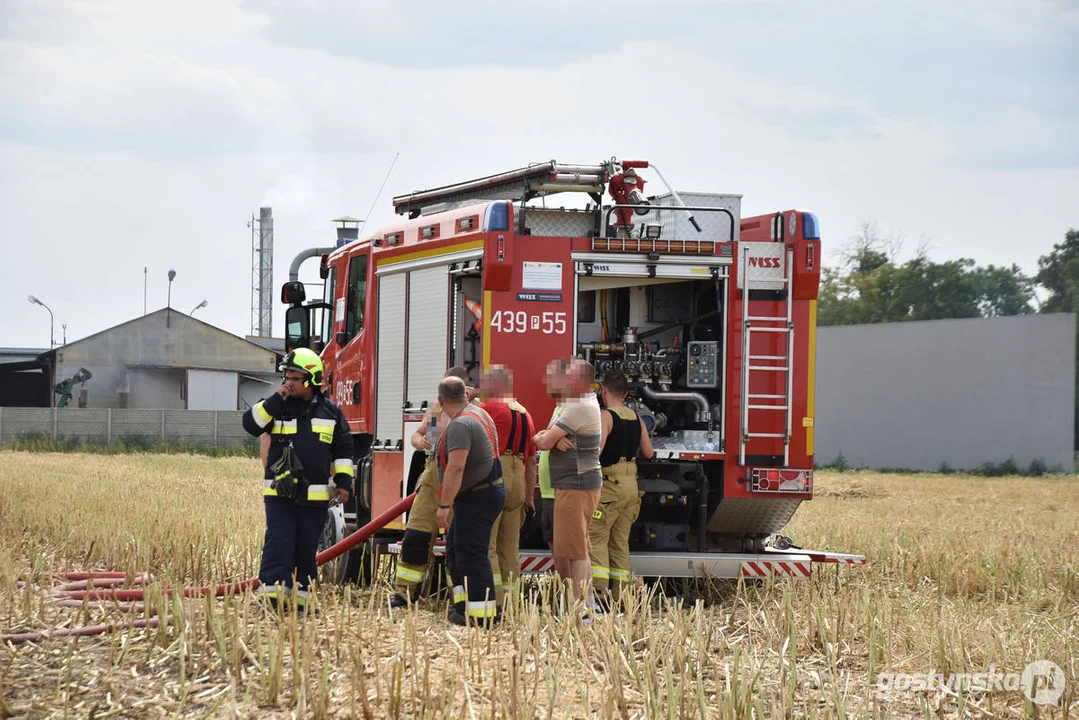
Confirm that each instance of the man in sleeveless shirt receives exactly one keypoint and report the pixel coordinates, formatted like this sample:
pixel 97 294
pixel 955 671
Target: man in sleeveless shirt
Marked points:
pixel 624 437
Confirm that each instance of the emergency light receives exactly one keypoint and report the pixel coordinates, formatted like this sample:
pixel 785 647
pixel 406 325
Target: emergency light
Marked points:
pixel 497 216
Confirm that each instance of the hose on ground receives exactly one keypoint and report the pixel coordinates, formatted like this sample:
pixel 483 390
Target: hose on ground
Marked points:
pixel 80 584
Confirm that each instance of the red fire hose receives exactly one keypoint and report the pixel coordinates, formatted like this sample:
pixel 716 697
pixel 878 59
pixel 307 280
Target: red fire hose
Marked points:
pixel 88 580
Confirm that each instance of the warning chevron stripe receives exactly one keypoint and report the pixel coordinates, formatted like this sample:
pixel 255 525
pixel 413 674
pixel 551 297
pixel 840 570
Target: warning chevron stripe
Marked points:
pixel 769 568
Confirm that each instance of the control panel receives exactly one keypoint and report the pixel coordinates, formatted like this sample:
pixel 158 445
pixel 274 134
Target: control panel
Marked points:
pixel 702 363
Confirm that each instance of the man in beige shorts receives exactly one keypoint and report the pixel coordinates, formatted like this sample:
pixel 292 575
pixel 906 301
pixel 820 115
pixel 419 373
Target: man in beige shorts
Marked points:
pixel 573 439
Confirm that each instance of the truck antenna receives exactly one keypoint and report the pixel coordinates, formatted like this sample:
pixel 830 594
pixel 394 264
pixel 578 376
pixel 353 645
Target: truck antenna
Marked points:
pixel 383 186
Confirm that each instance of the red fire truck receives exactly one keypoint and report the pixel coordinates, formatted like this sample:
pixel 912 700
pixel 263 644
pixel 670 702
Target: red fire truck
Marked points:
pixel 711 316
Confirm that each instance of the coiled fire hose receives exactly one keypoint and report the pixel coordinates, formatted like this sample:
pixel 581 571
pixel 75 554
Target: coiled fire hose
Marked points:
pixel 86 586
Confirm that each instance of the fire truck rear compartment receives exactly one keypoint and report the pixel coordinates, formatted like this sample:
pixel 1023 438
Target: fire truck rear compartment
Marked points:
pixel 667 337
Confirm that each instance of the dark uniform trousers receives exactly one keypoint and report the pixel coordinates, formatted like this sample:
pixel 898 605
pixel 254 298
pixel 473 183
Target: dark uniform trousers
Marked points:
pixel 292 535
pixel 467 544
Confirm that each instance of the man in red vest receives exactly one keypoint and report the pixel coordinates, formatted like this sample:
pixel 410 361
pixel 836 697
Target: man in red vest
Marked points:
pixel 517 454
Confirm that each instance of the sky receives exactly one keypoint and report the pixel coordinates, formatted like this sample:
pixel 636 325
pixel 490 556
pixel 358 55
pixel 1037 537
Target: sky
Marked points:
pixel 138 137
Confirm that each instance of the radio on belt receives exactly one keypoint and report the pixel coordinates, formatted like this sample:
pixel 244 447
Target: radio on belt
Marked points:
pixel 703 363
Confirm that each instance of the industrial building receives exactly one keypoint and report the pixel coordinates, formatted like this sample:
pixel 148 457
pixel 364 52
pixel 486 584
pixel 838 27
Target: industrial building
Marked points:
pixel 163 360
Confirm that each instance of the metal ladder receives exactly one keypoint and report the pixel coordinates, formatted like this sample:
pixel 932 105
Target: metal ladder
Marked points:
pixel 751 363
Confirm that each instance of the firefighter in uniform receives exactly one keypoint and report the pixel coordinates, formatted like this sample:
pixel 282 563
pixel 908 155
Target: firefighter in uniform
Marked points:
pixel 421 529
pixel 515 429
pixel 310 444
pixel 624 437
pixel 471 485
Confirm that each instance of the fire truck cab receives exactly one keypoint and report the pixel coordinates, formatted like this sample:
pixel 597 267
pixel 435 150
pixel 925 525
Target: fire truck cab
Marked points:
pixel 710 315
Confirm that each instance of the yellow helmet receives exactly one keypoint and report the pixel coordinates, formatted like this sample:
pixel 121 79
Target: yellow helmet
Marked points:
pixel 305 361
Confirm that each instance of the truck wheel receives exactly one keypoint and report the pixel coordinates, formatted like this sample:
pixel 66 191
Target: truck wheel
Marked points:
pixel 358 564
pixel 333 532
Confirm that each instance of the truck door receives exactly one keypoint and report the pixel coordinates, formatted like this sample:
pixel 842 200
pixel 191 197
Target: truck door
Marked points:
pixel 350 308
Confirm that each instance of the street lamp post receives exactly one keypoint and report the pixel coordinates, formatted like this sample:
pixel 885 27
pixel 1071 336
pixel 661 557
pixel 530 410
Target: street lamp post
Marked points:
pixel 202 304
pixel 52 324
pixel 168 310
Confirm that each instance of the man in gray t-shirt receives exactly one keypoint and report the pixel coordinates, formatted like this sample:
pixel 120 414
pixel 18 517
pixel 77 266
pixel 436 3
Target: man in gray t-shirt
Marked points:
pixel 471 483
pixel 578 467
pixel 467 432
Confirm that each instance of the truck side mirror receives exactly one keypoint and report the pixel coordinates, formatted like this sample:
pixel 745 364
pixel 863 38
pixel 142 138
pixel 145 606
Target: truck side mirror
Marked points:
pixel 297 327
pixel 293 293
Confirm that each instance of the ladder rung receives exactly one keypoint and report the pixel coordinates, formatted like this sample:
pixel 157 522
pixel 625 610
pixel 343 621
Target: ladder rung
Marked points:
pixel 767 407
pixel 767 357
pixel 773 368
pixel 766 397
pixel 767 319
pixel 771 435
pixel 768 329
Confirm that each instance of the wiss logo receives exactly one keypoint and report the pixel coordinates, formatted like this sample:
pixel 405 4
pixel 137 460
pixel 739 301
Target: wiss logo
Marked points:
pixel 764 262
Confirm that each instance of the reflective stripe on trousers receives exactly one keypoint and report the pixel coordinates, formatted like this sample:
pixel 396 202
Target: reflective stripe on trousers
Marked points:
pixel 420 529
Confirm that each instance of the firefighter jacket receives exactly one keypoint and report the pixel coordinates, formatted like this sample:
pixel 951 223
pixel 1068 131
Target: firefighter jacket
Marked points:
pixel 320 438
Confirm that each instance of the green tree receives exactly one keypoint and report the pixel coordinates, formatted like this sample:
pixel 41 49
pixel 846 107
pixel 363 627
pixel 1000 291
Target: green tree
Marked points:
pixel 1058 273
pixel 870 287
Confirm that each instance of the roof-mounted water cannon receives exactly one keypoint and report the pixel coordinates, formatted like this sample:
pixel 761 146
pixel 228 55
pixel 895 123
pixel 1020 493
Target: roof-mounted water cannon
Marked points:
pixel 627 188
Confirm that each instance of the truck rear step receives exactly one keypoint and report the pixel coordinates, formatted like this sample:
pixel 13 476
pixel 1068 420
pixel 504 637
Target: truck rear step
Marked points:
pixel 771 563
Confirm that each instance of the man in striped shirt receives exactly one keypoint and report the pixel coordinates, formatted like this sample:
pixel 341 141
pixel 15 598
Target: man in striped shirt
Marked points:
pixel 574 442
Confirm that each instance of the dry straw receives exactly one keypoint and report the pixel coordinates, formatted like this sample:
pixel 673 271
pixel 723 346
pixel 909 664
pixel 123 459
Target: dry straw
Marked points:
pixel 965 573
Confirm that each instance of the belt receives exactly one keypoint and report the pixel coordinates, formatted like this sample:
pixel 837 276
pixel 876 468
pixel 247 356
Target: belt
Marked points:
pixel 482 486
pixel 512 454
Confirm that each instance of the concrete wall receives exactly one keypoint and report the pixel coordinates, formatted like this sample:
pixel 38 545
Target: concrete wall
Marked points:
pixel 193 427
pixel 962 392
pixel 125 358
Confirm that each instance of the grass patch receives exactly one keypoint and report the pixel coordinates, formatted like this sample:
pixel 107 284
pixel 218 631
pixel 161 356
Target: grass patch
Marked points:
pixel 128 444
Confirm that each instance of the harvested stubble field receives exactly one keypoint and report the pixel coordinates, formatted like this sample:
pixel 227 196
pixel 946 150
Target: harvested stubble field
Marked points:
pixel 965 574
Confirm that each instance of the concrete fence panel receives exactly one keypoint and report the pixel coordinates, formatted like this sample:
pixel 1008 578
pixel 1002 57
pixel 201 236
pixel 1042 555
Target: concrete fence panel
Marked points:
pixel 220 428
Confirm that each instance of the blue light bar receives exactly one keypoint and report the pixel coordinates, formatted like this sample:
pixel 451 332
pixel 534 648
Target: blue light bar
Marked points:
pixel 810 226
pixel 497 216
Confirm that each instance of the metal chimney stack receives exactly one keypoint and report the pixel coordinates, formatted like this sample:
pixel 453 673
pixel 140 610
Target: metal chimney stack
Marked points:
pixel 348 229
pixel 262 274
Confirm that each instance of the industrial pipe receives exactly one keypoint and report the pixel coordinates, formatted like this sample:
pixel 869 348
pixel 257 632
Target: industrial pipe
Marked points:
pixel 294 268
pixel 133 595
pixel 704 413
